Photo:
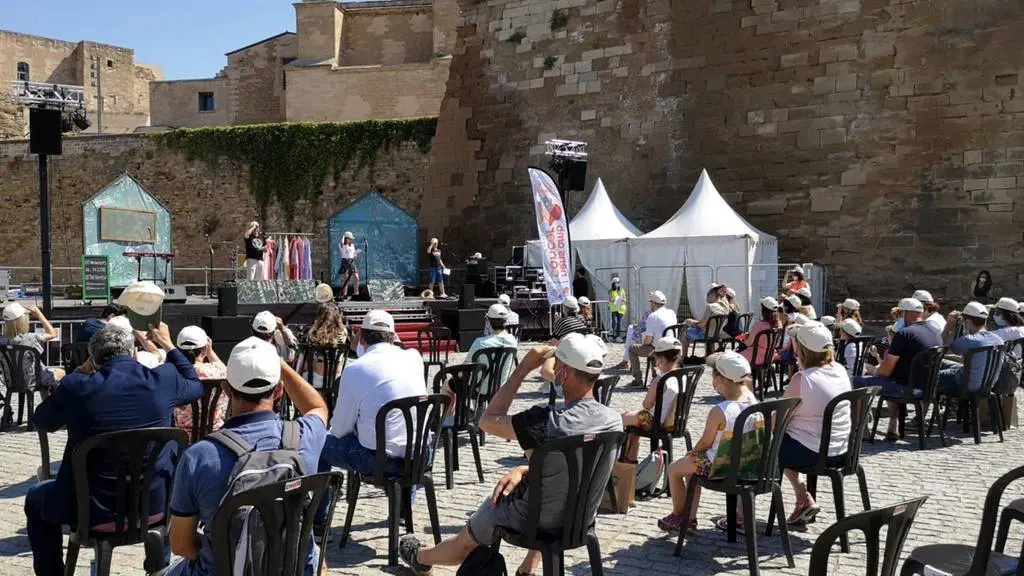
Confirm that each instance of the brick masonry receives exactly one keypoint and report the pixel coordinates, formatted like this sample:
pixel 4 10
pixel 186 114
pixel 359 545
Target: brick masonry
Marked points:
pixel 882 138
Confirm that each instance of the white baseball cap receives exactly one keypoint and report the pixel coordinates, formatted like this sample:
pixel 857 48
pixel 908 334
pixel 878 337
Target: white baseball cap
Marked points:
pixel 582 352
pixel 265 322
pixel 730 292
pixel 476 256
pixel 800 319
pixel 814 336
pixel 828 321
pixel 851 304
pixel 976 310
pixel 497 311
pixel 571 303
pixel 658 297
pixel 584 301
pixel 192 338
pixel 379 320
pixel 851 327
pixel 504 299
pixel 349 235
pixel 666 343
pixel 1008 304
pixel 770 303
pixel 924 296
pixel 253 223
pixel 729 364
pixel 910 305
pixel 254 366
pixel 143 297
pixel 121 322
pixel 794 300
pixel 615 279
pixel 323 293
pixel 714 286
pixel 13 311
pixel 797 269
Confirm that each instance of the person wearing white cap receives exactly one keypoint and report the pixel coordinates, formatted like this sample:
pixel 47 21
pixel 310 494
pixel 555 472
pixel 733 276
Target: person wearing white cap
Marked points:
pixel 270 328
pixel 848 330
pixel 579 360
pixel 661 317
pixel 436 268
pixel 912 336
pixel 732 323
pixel 667 351
pixel 570 322
pixel 17 331
pixel 347 270
pixel 795 280
pixel 617 304
pixel 118 394
pixel 931 309
pixel 791 305
pixel 769 320
pixel 952 377
pixel 95 324
pixel 587 312
pixel 819 380
pixel 254 247
pixel 256 378
pixel 849 308
pixel 806 308
pixel 328 331
pixel 1006 316
pixel 496 337
pixel 731 379
pixel 513 318
pixel 196 346
pixel 383 373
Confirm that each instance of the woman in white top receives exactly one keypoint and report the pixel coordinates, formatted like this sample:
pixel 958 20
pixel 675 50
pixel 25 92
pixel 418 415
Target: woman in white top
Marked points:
pixel 1009 322
pixel 849 330
pixel 667 350
pixel 931 309
pixel 819 380
pixel 348 269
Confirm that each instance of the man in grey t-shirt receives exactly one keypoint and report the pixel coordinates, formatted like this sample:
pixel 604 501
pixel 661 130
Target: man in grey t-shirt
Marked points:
pixel 578 364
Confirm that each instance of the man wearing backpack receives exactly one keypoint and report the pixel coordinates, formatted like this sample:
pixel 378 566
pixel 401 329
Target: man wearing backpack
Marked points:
pixel 256 442
pixel 579 360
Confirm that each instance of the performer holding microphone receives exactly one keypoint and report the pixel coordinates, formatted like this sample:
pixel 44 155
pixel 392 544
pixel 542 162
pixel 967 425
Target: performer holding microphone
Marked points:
pixel 348 270
pixel 254 247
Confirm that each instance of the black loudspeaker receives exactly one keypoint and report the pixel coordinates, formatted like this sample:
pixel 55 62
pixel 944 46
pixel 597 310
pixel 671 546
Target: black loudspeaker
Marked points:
pixel 44 132
pixel 227 300
pixel 518 256
pixel 363 296
pixel 467 299
pixel 227 328
pixel 575 175
pixel 466 338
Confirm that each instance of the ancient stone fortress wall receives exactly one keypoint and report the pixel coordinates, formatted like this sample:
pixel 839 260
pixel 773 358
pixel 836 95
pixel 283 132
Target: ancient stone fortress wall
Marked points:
pixel 883 138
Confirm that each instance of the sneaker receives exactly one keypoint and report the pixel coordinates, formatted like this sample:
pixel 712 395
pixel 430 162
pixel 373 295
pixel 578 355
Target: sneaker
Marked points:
pixel 803 514
pixel 671 523
pixel 408 547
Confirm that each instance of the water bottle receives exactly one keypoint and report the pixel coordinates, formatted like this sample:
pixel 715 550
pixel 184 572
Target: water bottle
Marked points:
pixel 92 568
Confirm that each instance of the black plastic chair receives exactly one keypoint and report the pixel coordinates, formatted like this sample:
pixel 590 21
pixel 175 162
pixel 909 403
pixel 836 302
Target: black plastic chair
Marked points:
pixel 964 560
pixel 587 463
pixel 496 359
pixel 919 392
pixel 712 339
pixel 516 330
pixel 423 417
pixel 686 380
pixel 334 359
pixel 673 331
pixel 132 455
pixel 204 409
pixel 436 338
pixel 837 468
pixel 290 505
pixel 970 400
pixel 604 387
pixel 742 326
pixel 897 519
pixel 464 381
pixel 20 361
pixel 775 415
pixel 861 345
pixel 762 367
pixel 73 355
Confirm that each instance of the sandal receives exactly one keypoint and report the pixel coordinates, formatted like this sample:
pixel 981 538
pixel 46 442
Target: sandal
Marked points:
pixel 723 524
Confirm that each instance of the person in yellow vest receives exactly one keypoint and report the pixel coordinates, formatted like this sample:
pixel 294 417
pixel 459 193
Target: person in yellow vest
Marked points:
pixel 617 307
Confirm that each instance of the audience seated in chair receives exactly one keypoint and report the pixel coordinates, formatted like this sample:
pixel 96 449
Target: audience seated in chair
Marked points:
pixel 913 335
pixel 667 351
pixel 578 364
pixel 495 337
pixel 819 380
pixel 93 325
pixel 806 308
pixel 270 328
pixel 717 305
pixel 513 317
pixel 119 394
pixel 931 309
pixel 383 373
pixel 848 308
pixel 256 377
pixel 731 379
pixel 198 348
pixel 951 375
pixel 17 333
pixel 1006 316
pixel 769 319
pixel 849 330
pixel 661 317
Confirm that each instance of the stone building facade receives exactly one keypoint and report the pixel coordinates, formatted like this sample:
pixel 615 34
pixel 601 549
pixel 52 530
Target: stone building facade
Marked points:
pixel 112 69
pixel 882 138
pixel 347 61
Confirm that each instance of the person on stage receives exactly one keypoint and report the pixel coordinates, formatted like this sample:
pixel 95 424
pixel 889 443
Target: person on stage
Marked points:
pixel 254 247
pixel 348 270
pixel 436 268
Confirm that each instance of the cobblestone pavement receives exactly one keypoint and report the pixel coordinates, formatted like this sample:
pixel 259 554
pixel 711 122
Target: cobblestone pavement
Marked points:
pixel 955 480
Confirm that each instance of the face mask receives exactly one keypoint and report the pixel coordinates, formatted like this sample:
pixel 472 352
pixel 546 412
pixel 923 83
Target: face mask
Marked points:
pixel 360 350
pixel 900 324
pixel 791 315
pixel 1000 321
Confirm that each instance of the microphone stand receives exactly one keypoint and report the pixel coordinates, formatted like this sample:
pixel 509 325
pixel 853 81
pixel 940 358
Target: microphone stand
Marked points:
pixel 366 264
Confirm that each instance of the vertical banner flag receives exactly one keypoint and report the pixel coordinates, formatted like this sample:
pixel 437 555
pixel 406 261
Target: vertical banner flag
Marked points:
pixel 554 233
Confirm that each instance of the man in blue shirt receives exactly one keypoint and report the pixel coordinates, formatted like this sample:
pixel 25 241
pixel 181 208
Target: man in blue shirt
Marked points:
pixel 93 325
pixel 257 377
pixel 120 394
pixel 952 375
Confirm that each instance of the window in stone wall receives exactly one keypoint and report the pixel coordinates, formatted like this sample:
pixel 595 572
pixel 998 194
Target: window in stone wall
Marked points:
pixel 284 72
pixel 23 72
pixel 110 63
pixel 206 102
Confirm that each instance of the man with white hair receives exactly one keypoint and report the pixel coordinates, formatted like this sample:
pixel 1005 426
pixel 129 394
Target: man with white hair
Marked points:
pixel 513 318
pixel 579 360
pixel 254 247
pixel 661 317
pixel 383 373
pixel 119 394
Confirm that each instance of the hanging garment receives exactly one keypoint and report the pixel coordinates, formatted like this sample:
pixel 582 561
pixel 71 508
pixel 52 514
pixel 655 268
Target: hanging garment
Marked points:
pixel 296 254
pixel 287 262
pixel 268 259
pixel 309 260
pixel 282 251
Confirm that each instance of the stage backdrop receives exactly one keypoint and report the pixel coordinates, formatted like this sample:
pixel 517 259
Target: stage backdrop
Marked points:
pixel 393 237
pixel 127 223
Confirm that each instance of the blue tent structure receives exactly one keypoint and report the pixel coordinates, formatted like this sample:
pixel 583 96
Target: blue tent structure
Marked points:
pixel 387 235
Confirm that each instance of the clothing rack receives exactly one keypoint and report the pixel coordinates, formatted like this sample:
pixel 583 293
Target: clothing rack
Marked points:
pixel 290 234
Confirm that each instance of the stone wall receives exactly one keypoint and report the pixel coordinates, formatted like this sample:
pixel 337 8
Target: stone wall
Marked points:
pixel 883 138
pixel 257 80
pixel 176 103
pixel 193 191
pixel 386 36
